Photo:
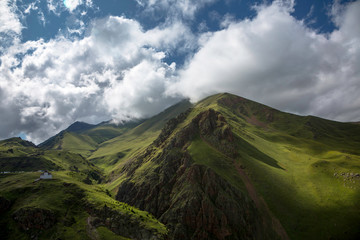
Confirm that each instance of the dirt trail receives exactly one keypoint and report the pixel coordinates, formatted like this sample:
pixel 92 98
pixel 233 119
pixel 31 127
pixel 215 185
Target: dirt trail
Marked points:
pixel 261 204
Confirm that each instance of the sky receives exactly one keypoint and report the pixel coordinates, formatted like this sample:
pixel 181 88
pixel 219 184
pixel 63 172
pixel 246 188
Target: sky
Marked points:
pixel 63 61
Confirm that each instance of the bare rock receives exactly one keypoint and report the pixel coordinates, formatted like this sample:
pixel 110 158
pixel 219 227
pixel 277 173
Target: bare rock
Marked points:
pixel 34 218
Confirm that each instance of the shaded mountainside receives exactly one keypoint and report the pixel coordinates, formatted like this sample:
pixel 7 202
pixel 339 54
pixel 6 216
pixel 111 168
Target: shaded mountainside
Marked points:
pixel 64 208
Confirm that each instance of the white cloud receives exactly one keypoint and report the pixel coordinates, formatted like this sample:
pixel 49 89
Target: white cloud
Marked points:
pixel 115 72
pixel 58 6
pixel 277 60
pixel 72 4
pixel 54 6
pixel 118 69
pixel 9 22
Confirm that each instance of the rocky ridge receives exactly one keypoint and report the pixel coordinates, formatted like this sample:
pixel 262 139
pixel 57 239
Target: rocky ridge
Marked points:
pixel 192 200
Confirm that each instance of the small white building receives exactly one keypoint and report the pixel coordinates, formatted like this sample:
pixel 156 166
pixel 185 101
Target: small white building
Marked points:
pixel 46 175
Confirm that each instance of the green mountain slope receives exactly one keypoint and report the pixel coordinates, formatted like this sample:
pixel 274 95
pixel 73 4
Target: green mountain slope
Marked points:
pixel 19 155
pixel 85 138
pixel 301 173
pixel 100 142
pixel 310 183
pixel 112 154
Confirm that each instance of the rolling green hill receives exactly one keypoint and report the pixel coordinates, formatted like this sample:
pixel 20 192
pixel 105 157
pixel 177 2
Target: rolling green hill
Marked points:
pixel 20 155
pixel 85 138
pixel 223 168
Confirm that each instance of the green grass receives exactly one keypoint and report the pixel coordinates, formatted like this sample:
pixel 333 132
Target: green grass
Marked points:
pixel 204 154
pixel 105 233
pixel 78 143
pixel 103 133
pixel 291 161
pixel 17 155
pixel 132 142
pixel 298 183
pixel 65 201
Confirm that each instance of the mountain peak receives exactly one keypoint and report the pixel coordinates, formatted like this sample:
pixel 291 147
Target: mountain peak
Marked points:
pixel 79 127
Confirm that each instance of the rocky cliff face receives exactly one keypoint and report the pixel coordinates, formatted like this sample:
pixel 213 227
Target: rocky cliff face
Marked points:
pixel 192 200
pixel 34 220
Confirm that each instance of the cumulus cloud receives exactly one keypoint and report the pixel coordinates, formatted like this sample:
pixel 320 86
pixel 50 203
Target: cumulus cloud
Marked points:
pixel 10 25
pixel 278 60
pixel 115 72
pixel 118 69
pixel 9 21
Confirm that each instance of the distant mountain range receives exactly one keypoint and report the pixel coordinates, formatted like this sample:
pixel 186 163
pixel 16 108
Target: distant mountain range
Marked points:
pixel 223 168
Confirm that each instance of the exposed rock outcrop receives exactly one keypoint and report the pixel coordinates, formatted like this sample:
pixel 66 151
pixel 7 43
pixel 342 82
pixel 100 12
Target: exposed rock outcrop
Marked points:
pixel 192 200
pixel 121 224
pixel 170 127
pixel 34 218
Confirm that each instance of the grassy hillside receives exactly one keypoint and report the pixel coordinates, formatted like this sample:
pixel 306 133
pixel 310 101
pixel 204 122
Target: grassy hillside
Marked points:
pixel 68 209
pixel 111 155
pixel 100 143
pixel 19 155
pixel 301 171
pixel 85 138
pixel 306 172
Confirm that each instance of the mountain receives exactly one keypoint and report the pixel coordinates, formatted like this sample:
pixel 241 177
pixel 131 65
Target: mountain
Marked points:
pixel 105 144
pixel 84 138
pixel 233 168
pixel 223 168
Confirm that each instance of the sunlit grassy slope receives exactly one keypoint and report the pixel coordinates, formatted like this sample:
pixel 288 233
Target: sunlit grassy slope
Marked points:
pixel 304 167
pixel 114 152
pixel 85 138
pixel 19 155
pixel 106 144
